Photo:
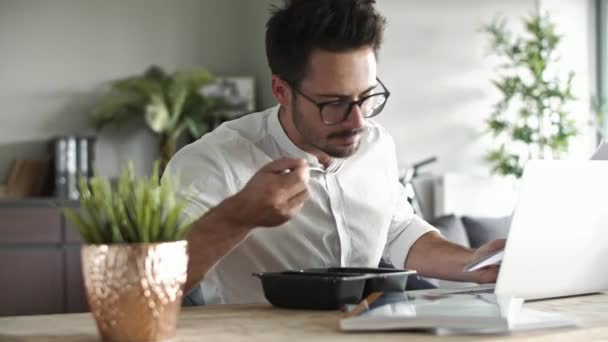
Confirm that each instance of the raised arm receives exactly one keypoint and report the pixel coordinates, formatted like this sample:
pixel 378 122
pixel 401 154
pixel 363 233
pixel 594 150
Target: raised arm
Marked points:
pixel 270 198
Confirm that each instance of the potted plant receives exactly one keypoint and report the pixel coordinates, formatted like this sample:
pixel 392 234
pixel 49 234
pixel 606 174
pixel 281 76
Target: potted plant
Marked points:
pixel 135 259
pixel 169 104
pixel 530 120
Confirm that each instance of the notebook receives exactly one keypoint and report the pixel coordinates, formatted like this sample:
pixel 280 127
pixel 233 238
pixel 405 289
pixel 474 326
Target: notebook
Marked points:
pixel 483 313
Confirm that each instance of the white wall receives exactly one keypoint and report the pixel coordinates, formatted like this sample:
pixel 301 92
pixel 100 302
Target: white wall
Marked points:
pixel 575 20
pixel 436 62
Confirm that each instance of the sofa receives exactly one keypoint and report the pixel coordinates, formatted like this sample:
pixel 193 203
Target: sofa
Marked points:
pixel 471 231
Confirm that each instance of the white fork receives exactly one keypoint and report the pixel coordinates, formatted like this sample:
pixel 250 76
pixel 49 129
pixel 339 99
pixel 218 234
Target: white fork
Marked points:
pixel 310 168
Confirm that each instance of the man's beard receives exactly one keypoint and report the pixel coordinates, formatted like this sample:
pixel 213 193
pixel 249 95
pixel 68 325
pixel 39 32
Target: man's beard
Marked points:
pixel 308 137
pixel 346 151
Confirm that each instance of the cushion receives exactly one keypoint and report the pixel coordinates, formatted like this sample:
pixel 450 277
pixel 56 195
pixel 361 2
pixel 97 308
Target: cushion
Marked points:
pixel 452 228
pixel 484 229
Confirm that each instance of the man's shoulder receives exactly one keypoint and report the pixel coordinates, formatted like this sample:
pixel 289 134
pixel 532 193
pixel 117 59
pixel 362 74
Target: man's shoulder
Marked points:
pixel 249 128
pixel 239 132
pixel 230 140
pixel 376 133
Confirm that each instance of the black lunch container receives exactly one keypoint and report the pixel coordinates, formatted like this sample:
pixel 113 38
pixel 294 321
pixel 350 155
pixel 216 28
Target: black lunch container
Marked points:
pixel 329 288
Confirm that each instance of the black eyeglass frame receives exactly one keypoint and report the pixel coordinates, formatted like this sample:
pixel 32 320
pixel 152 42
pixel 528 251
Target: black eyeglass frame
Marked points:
pixel 386 93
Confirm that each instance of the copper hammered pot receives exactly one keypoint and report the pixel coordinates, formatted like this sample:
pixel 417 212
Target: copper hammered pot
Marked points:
pixel 135 290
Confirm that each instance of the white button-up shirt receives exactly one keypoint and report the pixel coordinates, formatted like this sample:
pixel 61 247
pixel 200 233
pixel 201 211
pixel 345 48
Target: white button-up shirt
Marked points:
pixel 356 213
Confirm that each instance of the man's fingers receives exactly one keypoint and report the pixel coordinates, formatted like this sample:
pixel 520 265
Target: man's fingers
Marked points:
pixel 295 181
pixel 489 274
pixel 497 245
pixel 298 199
pixel 489 268
pixel 280 165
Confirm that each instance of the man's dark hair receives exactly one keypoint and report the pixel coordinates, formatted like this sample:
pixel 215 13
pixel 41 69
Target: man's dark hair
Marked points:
pixel 294 31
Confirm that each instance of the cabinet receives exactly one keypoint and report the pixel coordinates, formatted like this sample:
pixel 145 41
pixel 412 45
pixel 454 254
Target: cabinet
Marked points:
pixel 39 260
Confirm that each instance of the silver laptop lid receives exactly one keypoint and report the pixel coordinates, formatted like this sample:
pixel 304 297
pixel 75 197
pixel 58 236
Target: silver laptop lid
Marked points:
pixel 558 241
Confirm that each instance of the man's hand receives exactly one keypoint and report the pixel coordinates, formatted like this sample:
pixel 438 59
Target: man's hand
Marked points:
pixel 273 195
pixel 433 256
pixel 487 274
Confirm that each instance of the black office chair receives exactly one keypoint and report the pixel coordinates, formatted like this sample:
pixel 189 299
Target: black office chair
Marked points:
pixel 414 282
pixel 194 297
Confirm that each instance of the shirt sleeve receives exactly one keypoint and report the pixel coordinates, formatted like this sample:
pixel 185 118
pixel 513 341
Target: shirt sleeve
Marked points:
pixel 200 179
pixel 405 228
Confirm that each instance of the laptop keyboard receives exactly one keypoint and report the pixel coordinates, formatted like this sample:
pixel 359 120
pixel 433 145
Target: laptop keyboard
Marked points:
pixel 487 288
pixel 477 291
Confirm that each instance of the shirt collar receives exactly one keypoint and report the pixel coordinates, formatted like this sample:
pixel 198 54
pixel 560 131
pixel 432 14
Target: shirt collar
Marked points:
pixel 290 149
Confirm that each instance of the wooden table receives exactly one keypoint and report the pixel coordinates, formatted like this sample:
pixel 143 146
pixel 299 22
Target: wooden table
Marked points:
pixel 265 323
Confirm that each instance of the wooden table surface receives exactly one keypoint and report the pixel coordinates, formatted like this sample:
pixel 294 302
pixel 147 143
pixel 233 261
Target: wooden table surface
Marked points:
pixel 265 323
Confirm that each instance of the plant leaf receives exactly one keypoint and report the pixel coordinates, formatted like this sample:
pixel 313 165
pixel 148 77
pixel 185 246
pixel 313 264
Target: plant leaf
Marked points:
pixel 137 210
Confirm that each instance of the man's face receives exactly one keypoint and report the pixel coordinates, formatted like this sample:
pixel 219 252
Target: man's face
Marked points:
pixel 331 76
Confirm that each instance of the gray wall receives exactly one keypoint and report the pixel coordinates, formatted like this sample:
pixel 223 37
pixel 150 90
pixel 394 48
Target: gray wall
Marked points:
pixel 57 55
pixel 253 47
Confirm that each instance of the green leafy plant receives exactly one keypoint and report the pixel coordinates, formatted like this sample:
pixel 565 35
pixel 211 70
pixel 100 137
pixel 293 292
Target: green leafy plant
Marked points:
pixel 137 210
pixel 530 120
pixel 169 104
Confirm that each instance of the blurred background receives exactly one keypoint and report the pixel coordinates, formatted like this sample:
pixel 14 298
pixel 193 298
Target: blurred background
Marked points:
pixel 58 56
pixel 75 80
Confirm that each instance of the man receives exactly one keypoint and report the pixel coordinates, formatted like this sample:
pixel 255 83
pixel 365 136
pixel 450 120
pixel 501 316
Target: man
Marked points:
pixel 316 168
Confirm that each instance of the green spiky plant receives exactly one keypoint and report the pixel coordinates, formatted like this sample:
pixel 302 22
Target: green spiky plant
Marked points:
pixel 169 104
pixel 137 210
pixel 531 120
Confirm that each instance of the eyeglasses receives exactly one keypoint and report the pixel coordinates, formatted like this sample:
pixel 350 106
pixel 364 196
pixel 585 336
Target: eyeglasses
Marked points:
pixel 337 111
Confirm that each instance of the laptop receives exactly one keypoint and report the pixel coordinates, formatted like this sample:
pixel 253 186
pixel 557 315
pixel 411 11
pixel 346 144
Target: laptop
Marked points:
pixel 601 152
pixel 558 240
